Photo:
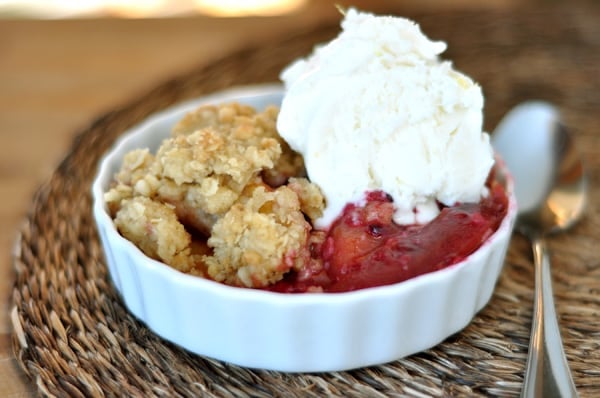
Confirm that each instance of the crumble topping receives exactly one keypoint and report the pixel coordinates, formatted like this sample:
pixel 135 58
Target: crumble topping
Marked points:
pixel 226 177
pixel 259 239
pixel 154 228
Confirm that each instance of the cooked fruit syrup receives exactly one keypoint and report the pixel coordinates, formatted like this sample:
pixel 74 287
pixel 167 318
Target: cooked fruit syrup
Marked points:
pixel 365 248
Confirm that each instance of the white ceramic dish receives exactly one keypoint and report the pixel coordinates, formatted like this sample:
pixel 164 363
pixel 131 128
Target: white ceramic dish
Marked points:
pixel 309 332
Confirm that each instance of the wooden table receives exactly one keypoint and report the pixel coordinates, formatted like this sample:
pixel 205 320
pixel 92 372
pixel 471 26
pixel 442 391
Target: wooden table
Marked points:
pixel 57 76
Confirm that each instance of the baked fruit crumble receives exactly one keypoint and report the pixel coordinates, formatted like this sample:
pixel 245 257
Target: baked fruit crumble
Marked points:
pixel 225 198
pixel 373 170
pixel 235 232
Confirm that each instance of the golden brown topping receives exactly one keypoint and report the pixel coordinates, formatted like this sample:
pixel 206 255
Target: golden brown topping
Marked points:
pixel 259 239
pixel 155 229
pixel 312 201
pixel 216 175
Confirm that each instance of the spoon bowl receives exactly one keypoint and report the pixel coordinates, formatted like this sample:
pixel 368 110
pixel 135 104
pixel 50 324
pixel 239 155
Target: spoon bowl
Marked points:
pixel 551 190
pixel 551 185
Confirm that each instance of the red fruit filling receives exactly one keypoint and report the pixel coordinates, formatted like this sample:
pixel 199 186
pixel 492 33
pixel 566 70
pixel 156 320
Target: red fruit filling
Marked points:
pixel 365 248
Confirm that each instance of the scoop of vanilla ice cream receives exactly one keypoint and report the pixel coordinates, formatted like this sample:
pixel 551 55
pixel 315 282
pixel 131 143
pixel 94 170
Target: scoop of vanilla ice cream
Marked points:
pixel 375 109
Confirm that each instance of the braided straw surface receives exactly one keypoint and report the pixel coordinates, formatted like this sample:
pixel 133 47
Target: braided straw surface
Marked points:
pixel 74 337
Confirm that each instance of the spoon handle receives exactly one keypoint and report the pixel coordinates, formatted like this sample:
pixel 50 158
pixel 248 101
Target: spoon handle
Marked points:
pixel 547 372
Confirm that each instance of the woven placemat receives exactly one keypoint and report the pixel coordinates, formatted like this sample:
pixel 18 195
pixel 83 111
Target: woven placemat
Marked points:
pixel 74 337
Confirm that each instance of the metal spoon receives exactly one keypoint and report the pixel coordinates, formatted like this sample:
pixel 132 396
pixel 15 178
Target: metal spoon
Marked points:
pixel 551 187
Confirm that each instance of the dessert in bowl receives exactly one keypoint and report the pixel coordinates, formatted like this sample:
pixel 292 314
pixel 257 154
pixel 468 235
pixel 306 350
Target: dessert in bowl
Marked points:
pixel 224 236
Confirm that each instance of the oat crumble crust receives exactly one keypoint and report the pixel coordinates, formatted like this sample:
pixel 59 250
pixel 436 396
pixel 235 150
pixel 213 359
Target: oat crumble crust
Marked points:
pixel 227 174
pixel 154 227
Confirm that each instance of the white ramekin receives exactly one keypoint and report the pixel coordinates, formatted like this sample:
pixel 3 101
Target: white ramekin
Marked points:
pixel 309 332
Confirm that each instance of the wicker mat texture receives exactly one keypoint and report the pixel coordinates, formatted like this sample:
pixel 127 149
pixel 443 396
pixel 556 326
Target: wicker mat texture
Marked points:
pixel 74 337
